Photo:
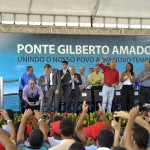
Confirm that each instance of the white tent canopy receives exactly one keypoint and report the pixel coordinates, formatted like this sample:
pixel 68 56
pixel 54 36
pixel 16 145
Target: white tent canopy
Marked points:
pixel 78 12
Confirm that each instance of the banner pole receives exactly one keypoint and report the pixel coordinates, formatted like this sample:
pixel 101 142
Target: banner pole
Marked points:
pixel 1 93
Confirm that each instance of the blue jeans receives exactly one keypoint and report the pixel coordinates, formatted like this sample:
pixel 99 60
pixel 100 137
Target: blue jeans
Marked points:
pixel 108 95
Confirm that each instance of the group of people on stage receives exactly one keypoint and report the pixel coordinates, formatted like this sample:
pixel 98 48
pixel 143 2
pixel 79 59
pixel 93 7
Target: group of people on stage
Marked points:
pixel 63 133
pixel 55 84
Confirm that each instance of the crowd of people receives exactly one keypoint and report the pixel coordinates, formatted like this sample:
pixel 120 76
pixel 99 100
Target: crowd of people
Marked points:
pixel 61 133
pixel 66 85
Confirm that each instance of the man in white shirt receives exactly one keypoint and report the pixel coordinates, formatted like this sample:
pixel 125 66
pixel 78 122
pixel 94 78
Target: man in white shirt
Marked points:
pixel 105 140
pixel 84 78
pixel 66 131
pixel 71 89
pixel 53 84
pixel 55 139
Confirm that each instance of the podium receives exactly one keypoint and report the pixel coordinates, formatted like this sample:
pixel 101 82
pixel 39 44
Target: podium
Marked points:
pixel 117 99
pixel 85 96
pixel 116 104
pixel 136 97
pixel 98 96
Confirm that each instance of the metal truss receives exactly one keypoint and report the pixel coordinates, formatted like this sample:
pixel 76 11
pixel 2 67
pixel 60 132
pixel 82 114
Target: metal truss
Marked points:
pixel 72 30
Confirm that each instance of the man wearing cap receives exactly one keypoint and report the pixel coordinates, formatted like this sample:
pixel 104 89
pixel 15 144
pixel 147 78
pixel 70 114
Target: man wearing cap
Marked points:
pixel 66 130
pixel 90 133
pixel 111 79
pixel 55 139
pixel 32 94
pixel 53 85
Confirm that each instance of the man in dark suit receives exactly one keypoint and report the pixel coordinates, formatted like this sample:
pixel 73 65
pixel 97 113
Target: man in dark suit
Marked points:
pixel 64 71
pixel 43 83
pixel 71 82
pixel 53 84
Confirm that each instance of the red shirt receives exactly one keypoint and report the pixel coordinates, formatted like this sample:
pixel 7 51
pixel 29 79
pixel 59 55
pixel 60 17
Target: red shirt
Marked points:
pixel 2 147
pixel 111 76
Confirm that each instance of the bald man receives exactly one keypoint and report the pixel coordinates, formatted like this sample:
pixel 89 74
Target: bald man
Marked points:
pixel 84 78
pixel 144 78
pixel 71 89
pixel 32 95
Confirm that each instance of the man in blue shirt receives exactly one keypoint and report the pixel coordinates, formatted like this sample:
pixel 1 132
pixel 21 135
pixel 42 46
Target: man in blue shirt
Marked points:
pixel 145 84
pixel 23 81
pixel 137 82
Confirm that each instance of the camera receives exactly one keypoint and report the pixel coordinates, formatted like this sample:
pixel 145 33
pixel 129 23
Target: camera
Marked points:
pixel 144 108
pixel 32 113
pixel 44 117
pixel 33 103
pixel 116 118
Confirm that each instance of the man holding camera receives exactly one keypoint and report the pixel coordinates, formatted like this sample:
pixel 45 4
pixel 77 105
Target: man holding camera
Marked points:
pixel 32 94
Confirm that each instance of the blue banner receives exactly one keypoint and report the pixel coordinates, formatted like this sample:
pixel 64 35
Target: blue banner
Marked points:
pixel 21 50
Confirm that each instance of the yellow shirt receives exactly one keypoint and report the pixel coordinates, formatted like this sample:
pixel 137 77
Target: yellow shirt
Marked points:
pixel 95 77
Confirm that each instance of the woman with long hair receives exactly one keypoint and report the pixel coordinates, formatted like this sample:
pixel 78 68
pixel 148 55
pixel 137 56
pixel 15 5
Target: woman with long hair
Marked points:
pixel 127 92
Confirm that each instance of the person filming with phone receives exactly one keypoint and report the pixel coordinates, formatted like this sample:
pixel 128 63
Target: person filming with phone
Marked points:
pixel 32 95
